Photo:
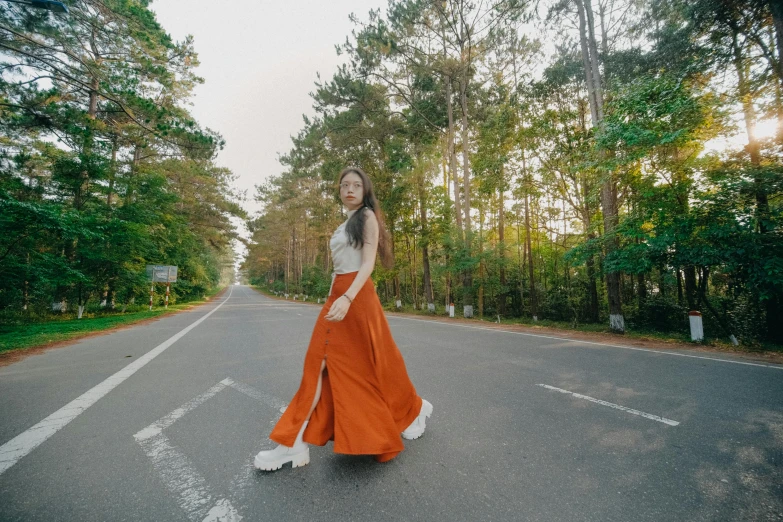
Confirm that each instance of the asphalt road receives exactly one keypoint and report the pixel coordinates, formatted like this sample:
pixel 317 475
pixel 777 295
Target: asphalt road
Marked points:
pixel 525 428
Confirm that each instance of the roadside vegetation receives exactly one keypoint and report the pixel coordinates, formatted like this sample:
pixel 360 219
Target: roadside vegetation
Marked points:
pixel 22 335
pixel 551 327
pixel 103 171
pixel 615 163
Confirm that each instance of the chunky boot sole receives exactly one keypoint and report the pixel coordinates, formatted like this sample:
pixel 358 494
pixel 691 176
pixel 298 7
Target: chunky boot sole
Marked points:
pixel 426 412
pixel 274 463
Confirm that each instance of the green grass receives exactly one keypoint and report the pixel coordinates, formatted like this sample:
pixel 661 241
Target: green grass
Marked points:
pixel 22 336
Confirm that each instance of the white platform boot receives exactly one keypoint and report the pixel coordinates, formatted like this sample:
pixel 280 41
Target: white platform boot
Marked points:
pixel 417 427
pixel 298 455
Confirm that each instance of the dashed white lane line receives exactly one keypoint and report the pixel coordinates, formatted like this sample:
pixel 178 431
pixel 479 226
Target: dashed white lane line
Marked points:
pixel 612 405
pixel 178 472
pixel 13 450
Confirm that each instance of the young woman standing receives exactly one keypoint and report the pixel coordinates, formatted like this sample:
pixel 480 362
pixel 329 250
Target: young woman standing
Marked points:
pixel 355 389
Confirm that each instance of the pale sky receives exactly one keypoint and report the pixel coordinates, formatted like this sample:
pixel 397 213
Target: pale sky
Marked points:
pixel 259 60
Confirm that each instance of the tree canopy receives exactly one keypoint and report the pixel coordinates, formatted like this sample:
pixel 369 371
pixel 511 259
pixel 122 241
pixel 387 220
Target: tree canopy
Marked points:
pixel 102 169
pixel 574 160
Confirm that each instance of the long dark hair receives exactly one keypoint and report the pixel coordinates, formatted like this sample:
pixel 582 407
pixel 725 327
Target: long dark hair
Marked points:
pixel 355 225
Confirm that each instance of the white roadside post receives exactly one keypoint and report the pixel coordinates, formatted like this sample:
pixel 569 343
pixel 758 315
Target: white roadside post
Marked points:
pixel 451 310
pixel 168 287
pixel 697 328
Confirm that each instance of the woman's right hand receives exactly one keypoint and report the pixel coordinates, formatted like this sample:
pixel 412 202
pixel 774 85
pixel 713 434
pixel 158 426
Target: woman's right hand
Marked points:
pixel 339 309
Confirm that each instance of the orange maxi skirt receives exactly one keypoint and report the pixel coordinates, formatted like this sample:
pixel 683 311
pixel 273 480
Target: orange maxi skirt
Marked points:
pixel 367 398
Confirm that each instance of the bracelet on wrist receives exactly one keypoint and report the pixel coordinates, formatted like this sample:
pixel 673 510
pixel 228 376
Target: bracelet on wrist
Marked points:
pixel 349 299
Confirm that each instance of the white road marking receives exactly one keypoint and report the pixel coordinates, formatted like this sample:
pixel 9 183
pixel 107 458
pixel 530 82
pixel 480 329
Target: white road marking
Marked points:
pixel 577 341
pixel 180 475
pixel 177 472
pixel 243 480
pixel 258 395
pixel 612 405
pixel 223 511
pixel 164 422
pixel 13 450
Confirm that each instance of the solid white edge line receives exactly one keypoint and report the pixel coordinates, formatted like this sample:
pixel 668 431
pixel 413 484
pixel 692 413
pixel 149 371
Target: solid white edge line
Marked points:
pixel 650 416
pixel 13 450
pixel 577 341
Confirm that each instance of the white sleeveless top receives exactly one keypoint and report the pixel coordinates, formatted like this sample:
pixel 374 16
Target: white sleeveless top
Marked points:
pixel 346 258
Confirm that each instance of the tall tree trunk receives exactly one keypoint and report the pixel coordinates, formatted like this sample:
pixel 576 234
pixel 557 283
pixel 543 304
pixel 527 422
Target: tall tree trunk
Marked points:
pixel 411 253
pixel 89 137
pixel 662 281
pixel 592 288
pixel 609 188
pixel 445 171
pixel 689 273
pixel 481 261
pixel 425 256
pixel 25 300
pixel 448 284
pixel 528 242
pixel 131 179
pixel 287 263
pixel 112 172
pixel 397 290
pixel 586 210
pixel 447 80
pixel 467 280
pixel 641 283
pixel 453 157
pixel 776 7
pixel 531 277
pixel 520 263
pixel 753 147
pixel 773 302
pixel 679 286
pixel 502 252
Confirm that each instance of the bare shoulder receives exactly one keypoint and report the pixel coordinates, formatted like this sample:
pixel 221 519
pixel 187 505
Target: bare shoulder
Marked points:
pixel 370 215
pixel 371 227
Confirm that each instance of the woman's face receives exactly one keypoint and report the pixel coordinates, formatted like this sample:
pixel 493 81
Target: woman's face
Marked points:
pixel 351 191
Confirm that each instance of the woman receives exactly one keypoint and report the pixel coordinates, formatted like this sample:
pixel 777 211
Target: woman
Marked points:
pixel 355 389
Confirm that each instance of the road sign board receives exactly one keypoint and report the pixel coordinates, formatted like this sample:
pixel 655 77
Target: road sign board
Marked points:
pixel 161 273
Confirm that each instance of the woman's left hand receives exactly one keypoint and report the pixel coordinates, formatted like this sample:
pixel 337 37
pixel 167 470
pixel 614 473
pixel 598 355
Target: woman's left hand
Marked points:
pixel 338 310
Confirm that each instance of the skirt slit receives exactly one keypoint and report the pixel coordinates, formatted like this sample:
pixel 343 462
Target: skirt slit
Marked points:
pixel 367 398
